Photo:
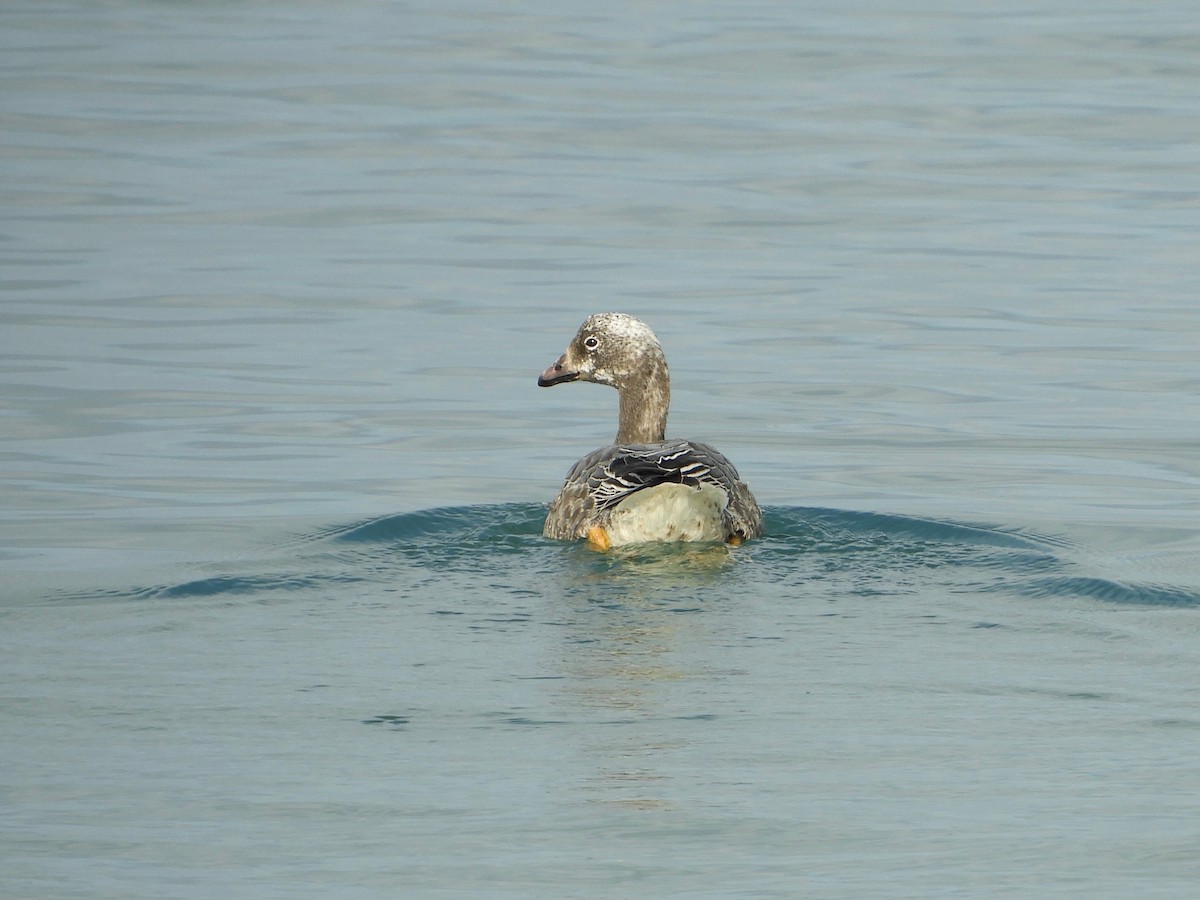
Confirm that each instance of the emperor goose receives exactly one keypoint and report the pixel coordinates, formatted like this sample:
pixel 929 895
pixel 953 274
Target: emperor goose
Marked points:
pixel 643 487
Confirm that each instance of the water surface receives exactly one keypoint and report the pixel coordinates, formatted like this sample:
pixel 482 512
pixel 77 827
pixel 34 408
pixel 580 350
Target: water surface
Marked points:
pixel 277 616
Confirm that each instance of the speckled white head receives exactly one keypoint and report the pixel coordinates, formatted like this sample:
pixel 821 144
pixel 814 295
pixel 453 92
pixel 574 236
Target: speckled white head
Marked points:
pixel 609 348
pixel 616 346
pixel 622 327
pixel 618 350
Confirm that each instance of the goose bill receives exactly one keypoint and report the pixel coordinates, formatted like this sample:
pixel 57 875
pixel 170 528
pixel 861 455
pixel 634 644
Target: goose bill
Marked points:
pixel 557 374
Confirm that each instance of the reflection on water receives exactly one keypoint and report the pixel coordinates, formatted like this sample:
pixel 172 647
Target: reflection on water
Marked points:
pixel 475 679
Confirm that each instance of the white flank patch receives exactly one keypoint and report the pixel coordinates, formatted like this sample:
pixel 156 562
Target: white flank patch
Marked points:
pixel 669 512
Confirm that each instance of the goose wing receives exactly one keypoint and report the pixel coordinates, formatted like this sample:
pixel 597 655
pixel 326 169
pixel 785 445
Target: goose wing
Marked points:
pixel 604 478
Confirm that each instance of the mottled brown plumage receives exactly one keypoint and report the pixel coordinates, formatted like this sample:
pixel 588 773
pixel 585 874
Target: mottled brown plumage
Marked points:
pixel 643 487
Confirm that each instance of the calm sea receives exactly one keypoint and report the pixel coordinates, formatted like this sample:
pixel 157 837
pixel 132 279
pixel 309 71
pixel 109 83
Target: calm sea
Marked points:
pixel 276 619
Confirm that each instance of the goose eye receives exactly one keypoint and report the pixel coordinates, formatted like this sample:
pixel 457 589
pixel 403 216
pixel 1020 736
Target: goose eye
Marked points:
pixel 591 342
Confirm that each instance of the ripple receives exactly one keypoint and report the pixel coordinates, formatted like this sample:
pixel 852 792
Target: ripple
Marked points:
pixel 497 550
pixel 1112 591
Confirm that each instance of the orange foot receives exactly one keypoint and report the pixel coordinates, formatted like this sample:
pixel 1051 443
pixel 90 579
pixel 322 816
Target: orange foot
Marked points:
pixel 733 540
pixel 598 539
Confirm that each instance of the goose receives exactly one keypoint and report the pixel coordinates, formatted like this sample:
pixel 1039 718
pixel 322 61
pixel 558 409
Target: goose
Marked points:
pixel 643 487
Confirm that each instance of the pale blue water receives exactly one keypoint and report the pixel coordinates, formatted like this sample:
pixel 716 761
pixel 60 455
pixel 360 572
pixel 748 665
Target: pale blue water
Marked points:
pixel 276 618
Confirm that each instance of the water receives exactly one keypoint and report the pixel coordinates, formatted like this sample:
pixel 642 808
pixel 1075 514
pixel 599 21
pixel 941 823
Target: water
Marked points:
pixel 277 617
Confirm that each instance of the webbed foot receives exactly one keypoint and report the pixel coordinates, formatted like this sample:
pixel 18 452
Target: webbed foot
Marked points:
pixel 598 539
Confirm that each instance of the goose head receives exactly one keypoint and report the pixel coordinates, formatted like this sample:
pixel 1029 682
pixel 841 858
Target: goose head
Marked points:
pixel 610 348
pixel 618 350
